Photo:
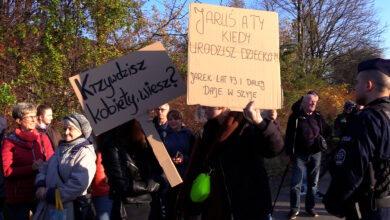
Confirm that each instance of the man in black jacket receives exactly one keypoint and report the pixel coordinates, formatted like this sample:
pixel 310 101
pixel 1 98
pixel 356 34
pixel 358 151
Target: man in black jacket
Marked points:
pixel 302 129
pixel 360 186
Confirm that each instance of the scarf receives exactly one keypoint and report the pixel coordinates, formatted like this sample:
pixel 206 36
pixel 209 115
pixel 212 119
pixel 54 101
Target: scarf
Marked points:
pixel 230 124
pixel 206 149
pixel 65 146
pixel 27 136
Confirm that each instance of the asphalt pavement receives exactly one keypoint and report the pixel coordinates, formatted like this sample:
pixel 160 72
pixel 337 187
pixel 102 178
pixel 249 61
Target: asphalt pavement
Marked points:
pixel 282 207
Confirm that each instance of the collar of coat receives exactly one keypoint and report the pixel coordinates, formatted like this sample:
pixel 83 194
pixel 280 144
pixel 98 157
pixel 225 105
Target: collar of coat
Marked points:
pixel 303 114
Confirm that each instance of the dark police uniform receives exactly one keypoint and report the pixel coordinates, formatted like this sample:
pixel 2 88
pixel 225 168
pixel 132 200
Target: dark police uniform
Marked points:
pixel 366 140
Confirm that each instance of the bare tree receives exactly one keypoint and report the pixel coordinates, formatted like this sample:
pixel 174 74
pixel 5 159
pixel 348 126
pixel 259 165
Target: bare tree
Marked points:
pixel 344 69
pixel 236 3
pixel 325 30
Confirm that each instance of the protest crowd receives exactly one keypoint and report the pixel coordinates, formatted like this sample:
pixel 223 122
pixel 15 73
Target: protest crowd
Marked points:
pixel 115 175
pixel 83 174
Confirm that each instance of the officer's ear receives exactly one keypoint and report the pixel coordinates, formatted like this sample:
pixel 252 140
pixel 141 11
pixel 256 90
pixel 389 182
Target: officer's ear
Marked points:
pixel 370 85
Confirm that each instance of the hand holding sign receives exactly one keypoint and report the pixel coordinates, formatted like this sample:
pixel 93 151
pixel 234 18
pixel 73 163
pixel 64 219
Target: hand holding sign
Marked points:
pixel 251 114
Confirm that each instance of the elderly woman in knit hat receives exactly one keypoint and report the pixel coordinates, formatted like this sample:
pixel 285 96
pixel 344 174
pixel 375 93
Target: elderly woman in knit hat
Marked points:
pixel 71 169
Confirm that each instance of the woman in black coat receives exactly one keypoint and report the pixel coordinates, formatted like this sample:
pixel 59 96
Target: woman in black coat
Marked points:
pixel 130 166
pixel 233 146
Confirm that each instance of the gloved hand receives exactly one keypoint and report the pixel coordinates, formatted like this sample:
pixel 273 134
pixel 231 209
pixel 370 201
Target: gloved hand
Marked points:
pixel 153 186
pixel 141 187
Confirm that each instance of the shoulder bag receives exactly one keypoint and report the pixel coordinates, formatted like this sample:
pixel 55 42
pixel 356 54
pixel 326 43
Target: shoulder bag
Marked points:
pixel 319 141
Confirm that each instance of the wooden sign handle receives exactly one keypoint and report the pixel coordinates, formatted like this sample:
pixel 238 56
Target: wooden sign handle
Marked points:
pixel 159 150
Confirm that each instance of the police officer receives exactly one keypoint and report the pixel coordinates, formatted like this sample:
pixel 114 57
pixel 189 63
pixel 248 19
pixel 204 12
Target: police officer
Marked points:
pixel 360 186
pixel 341 122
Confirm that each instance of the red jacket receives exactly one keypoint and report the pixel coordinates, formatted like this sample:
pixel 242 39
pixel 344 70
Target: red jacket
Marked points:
pixel 18 151
pixel 100 186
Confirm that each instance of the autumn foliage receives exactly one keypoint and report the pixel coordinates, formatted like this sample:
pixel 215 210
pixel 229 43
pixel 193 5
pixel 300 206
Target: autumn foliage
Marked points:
pixel 43 43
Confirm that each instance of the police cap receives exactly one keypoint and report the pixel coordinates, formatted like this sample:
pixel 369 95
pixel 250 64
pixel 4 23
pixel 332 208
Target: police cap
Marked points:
pixel 382 65
pixel 349 104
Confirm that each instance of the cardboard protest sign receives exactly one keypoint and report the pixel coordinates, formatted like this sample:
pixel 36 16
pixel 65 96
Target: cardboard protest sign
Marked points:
pixel 125 88
pixel 233 57
pixel 160 151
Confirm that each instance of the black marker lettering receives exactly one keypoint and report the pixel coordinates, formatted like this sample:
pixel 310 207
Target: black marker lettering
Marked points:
pixel 109 83
pixel 82 89
pixel 95 117
pixel 173 81
pixel 109 110
pixel 166 83
pixel 160 85
pixel 95 84
pixel 141 65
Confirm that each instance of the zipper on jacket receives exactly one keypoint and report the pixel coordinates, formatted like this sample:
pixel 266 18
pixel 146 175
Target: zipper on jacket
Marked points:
pixel 131 162
pixel 33 153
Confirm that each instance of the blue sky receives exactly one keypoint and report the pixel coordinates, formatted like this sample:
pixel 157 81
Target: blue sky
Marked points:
pixel 382 7
pixel 383 12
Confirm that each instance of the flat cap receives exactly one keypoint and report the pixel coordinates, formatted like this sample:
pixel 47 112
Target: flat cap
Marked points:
pixel 380 64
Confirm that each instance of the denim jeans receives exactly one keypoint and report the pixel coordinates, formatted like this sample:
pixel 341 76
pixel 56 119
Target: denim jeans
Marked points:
pixel 304 181
pixel 312 164
pixel 268 217
pixel 103 205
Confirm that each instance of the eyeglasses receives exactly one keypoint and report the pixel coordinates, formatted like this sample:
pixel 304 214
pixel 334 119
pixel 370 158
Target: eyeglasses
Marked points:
pixel 30 117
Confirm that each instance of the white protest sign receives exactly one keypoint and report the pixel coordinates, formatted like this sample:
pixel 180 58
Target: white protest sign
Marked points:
pixel 125 88
pixel 233 57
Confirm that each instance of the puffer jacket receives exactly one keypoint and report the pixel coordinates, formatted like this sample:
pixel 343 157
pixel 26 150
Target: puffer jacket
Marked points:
pixel 71 170
pixel 19 150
